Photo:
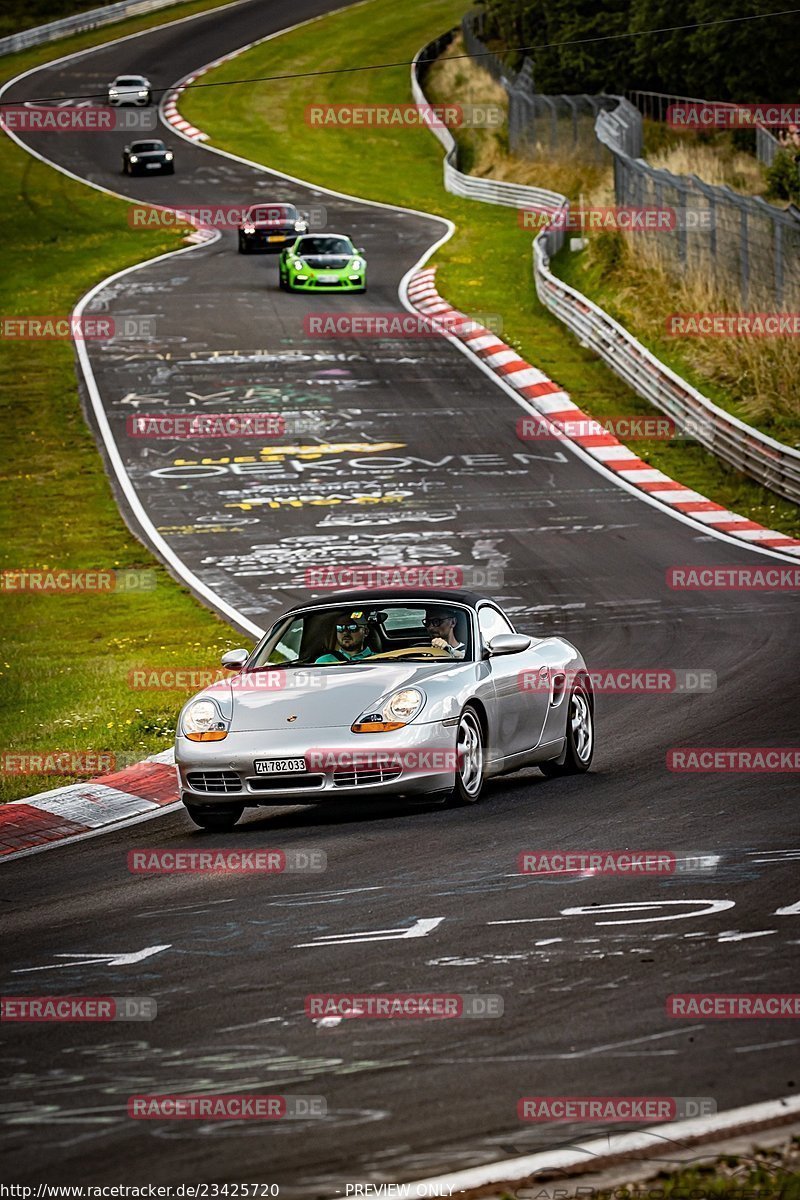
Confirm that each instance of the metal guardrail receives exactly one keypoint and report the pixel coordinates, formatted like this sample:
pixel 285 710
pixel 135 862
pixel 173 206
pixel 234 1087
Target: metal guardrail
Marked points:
pixel 79 23
pixel 471 187
pixel 762 458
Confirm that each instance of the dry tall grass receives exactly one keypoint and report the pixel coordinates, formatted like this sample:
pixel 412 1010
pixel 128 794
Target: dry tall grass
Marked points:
pixel 759 374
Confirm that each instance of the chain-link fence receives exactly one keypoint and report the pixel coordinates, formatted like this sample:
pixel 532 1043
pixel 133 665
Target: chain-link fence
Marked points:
pixel 654 106
pixel 541 126
pixel 746 249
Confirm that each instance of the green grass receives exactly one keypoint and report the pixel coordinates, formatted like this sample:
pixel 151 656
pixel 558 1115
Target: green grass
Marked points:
pixel 264 122
pixel 66 658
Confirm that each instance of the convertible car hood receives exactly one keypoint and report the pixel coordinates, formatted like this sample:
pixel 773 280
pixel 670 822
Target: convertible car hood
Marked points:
pixel 343 694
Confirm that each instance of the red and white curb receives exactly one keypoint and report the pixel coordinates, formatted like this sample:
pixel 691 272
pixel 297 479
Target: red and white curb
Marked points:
pixel 553 403
pixel 68 813
pixel 169 111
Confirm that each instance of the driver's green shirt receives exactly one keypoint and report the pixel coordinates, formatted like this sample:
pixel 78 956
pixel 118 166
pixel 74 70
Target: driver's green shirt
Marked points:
pixel 331 658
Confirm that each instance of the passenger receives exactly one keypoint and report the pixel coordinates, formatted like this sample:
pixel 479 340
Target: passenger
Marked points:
pixel 351 636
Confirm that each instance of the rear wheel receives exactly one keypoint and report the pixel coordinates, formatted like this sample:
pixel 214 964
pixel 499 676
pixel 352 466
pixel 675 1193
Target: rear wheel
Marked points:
pixel 220 820
pixel 576 756
pixel 470 761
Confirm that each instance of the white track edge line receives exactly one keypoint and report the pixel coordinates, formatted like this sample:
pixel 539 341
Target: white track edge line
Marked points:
pixel 582 1154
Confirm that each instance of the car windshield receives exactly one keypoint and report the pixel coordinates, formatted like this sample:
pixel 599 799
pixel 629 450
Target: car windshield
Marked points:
pixel 272 214
pixel 143 147
pixel 364 634
pixel 325 245
pixel 130 81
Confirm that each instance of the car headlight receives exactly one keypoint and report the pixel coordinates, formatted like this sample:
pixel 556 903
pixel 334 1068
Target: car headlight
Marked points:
pixel 298 264
pixel 300 226
pixel 142 91
pixel 357 264
pixel 168 156
pixel 203 722
pixel 399 710
pixel 133 158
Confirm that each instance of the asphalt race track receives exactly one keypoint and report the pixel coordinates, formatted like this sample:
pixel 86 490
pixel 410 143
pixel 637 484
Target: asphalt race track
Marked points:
pixel 414 427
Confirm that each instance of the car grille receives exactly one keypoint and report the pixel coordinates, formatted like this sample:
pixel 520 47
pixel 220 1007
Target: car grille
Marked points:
pixel 365 776
pixel 214 781
pixel 284 783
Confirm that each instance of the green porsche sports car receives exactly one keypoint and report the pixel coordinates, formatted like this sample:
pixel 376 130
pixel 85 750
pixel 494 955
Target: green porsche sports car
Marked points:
pixel 323 262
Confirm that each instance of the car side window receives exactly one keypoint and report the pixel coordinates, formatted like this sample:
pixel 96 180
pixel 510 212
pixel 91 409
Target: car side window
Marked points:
pixel 491 622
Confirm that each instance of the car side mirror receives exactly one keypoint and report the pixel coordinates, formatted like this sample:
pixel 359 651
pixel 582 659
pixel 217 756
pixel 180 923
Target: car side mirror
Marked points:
pixel 234 660
pixel 508 643
pixel 362 252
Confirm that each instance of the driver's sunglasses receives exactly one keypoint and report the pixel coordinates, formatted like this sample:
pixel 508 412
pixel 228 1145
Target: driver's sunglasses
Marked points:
pixel 351 628
pixel 434 620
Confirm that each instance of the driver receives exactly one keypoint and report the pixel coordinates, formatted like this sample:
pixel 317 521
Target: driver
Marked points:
pixel 441 624
pixel 351 637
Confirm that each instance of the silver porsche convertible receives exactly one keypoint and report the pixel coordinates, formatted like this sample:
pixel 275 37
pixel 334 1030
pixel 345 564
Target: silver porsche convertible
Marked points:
pixel 382 692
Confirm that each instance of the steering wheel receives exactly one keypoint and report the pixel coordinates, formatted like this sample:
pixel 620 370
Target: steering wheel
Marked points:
pixel 427 651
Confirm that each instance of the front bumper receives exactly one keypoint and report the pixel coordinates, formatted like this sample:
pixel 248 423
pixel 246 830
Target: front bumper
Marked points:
pixel 417 760
pixel 129 98
pixel 152 168
pixel 261 240
pixel 343 283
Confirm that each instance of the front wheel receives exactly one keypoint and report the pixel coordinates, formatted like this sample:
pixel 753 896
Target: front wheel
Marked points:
pixel 470 761
pixel 576 757
pixel 218 820
pixel 283 283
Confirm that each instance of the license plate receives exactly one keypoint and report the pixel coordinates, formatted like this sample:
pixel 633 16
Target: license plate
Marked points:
pixel 276 237
pixel 278 766
pixel 327 278
pixel 152 166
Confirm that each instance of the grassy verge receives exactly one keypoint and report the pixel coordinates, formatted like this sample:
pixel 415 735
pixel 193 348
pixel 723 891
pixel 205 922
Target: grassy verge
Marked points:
pixel 485 267
pixel 67 657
